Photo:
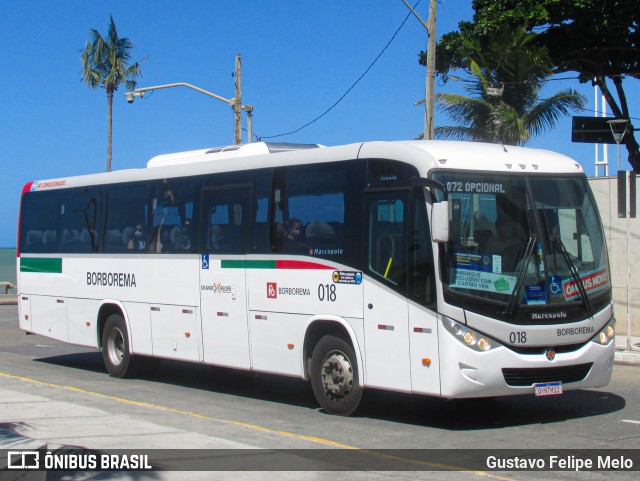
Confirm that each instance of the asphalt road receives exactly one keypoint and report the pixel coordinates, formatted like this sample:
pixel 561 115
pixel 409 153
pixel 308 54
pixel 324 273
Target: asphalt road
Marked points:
pixel 192 406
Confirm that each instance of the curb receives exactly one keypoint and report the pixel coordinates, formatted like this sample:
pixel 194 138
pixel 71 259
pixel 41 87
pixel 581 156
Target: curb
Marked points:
pixel 8 299
pixel 627 358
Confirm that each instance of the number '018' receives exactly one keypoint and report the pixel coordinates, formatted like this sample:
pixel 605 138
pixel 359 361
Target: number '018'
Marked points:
pixel 327 292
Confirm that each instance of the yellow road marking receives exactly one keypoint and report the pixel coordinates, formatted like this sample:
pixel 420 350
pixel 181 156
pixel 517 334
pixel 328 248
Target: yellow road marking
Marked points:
pixel 313 439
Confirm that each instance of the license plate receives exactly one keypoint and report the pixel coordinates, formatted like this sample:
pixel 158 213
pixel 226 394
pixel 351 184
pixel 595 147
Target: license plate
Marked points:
pixel 548 389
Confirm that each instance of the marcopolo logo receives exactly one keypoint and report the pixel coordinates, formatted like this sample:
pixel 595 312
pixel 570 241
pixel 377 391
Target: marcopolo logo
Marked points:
pixel 539 316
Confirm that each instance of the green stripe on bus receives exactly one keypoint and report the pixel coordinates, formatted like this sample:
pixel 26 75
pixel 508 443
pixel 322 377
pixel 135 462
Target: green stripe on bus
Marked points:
pixel 41 264
pixel 244 264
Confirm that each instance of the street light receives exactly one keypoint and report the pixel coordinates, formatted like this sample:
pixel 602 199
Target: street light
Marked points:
pixel 618 129
pixel 235 105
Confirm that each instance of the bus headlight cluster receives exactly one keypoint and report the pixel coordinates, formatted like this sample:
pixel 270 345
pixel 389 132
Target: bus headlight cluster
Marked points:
pixel 607 334
pixel 469 337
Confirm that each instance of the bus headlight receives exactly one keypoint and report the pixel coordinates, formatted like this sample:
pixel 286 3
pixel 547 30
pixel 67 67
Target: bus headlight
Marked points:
pixel 484 344
pixel 606 335
pixel 469 337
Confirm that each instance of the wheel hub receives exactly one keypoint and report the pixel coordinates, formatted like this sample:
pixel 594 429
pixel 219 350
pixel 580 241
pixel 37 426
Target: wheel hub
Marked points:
pixel 337 375
pixel 115 346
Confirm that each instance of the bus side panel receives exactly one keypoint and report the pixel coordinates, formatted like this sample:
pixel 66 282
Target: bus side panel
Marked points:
pixel 223 308
pixel 386 334
pixel 175 332
pixel 24 312
pixel 277 342
pixel 49 317
pixel 139 321
pixel 83 321
pixel 425 356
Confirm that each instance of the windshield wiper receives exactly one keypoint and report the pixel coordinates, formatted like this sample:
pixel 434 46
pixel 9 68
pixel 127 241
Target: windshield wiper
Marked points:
pixel 574 273
pixel 521 274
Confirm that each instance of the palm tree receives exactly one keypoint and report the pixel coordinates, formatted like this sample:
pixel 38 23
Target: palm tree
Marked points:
pixel 105 64
pixel 506 81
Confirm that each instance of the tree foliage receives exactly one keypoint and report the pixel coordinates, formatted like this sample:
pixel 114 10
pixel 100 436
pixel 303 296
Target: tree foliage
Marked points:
pixel 105 64
pixel 598 39
pixel 504 106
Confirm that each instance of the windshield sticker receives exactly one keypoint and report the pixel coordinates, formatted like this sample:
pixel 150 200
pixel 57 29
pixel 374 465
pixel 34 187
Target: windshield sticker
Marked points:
pixel 475 262
pixel 483 281
pixel 535 295
pixel 555 285
pixel 593 281
pixel 497 263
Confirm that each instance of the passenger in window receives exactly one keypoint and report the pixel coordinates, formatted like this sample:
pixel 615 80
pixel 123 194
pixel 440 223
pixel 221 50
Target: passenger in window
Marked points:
pixel 137 241
pixel 181 236
pixel 294 241
pixel 294 229
pixel 218 240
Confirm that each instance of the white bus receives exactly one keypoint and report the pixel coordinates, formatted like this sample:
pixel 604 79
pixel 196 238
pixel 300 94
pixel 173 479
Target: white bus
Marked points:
pixel 447 269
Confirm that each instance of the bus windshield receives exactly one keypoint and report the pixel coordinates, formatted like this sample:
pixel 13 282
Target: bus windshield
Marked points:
pixel 524 241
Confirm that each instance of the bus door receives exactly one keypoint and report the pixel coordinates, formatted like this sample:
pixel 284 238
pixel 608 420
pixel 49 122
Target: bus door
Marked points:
pixel 385 305
pixel 223 298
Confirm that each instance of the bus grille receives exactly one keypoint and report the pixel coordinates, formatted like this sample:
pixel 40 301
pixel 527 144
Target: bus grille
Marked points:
pixel 531 376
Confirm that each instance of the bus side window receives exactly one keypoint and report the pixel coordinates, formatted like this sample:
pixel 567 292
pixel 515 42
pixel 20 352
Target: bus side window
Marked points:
pixel 39 223
pixel 386 242
pixel 226 219
pixel 421 269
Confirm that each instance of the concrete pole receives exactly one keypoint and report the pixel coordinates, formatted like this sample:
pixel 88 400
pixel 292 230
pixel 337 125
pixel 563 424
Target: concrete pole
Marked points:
pixel 237 105
pixel 429 103
pixel 429 92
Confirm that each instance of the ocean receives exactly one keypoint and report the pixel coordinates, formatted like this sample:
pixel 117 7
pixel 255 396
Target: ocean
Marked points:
pixel 8 267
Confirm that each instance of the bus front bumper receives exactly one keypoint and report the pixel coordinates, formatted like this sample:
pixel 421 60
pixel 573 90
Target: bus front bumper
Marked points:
pixel 468 373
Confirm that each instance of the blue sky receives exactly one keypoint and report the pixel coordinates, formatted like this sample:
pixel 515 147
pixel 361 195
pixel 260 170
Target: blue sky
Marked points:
pixel 298 58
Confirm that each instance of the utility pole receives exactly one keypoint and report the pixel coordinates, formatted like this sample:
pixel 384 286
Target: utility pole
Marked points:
pixel 429 93
pixel 431 72
pixel 237 104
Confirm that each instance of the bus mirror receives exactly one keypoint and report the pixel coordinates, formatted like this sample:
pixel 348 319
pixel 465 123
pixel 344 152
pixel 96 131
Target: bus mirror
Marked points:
pixel 440 221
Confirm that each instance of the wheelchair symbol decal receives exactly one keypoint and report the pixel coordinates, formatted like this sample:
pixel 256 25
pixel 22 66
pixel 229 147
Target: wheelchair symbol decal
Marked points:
pixel 555 284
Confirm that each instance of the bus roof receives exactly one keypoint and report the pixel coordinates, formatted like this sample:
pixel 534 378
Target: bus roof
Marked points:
pixel 226 152
pixel 425 155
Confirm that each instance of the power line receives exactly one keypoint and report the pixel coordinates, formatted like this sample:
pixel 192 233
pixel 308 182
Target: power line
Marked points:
pixel 259 138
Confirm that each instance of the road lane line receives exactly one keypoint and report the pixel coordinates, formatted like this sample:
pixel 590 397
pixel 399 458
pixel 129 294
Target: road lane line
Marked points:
pixel 313 439
pixel 630 421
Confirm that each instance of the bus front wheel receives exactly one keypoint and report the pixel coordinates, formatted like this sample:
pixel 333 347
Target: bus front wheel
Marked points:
pixel 334 376
pixel 115 347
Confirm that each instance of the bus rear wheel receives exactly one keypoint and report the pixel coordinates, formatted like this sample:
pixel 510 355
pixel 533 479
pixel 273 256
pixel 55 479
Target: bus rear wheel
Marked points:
pixel 334 376
pixel 115 348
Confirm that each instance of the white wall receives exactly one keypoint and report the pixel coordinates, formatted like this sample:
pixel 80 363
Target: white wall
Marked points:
pixel 605 190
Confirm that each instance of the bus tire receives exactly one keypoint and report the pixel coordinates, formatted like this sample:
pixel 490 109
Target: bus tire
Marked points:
pixel 334 376
pixel 116 354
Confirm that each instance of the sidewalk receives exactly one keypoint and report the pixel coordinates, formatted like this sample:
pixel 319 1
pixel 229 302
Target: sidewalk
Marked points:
pixel 8 299
pixel 625 356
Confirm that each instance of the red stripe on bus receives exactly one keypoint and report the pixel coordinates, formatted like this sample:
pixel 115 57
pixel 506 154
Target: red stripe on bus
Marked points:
pixel 301 265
